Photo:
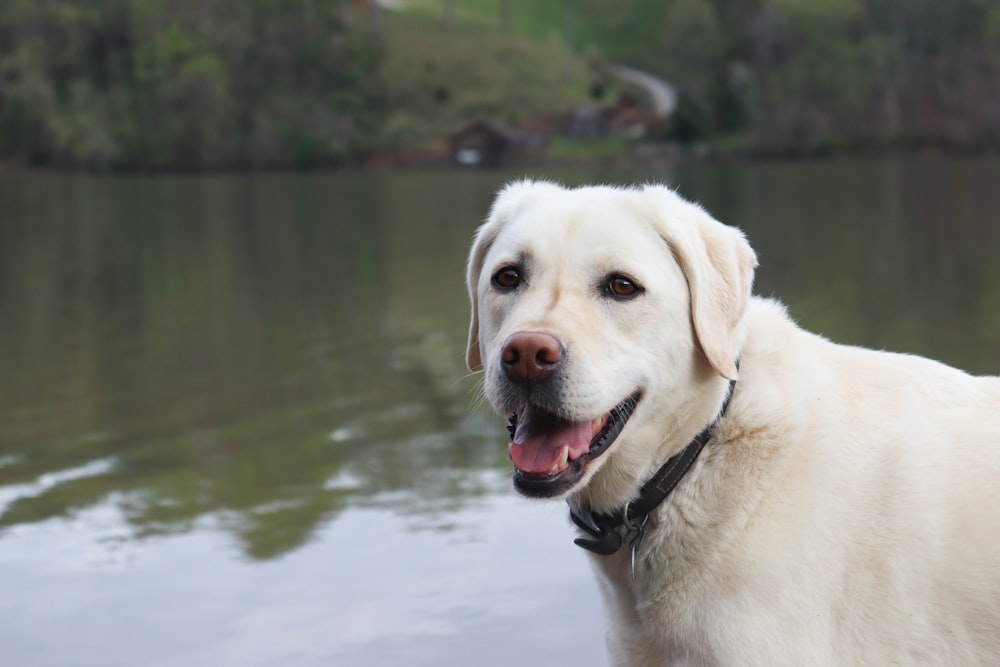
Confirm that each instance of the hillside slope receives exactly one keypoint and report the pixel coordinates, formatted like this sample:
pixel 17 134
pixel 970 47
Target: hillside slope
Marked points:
pixel 438 78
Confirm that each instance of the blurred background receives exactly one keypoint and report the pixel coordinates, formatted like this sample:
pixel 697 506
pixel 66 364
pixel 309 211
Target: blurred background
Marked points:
pixel 236 427
pixel 181 85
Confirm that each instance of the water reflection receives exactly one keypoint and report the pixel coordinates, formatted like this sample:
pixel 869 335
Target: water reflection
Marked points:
pixel 369 591
pixel 231 344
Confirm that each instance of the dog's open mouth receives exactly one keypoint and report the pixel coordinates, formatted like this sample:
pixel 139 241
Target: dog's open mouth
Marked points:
pixel 550 453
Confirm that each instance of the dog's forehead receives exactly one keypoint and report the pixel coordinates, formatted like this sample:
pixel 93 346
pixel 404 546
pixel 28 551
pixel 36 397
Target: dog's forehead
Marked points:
pixel 582 226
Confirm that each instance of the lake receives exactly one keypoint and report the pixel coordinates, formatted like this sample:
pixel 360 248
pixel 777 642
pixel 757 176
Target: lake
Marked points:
pixel 236 427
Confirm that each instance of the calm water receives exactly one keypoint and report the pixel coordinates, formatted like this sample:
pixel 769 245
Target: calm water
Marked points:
pixel 236 427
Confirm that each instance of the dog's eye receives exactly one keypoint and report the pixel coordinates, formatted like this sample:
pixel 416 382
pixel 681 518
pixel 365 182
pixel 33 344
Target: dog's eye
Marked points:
pixel 507 278
pixel 620 287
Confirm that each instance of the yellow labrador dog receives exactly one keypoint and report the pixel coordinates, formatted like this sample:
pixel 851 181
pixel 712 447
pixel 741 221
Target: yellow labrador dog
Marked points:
pixel 752 494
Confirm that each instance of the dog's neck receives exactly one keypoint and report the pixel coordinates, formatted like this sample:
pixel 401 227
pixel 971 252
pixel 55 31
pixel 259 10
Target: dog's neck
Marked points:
pixel 608 532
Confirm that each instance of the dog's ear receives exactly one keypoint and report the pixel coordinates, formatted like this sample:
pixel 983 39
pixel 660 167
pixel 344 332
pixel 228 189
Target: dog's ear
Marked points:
pixel 719 264
pixel 480 246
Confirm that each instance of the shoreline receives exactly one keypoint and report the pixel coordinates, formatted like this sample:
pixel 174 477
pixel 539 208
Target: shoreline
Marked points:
pixel 637 155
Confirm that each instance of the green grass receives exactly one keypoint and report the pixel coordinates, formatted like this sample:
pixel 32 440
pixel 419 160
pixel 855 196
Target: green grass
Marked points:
pixel 534 19
pixel 439 78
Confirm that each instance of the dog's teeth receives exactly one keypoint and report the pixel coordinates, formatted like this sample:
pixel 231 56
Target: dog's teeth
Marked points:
pixel 562 462
pixel 563 459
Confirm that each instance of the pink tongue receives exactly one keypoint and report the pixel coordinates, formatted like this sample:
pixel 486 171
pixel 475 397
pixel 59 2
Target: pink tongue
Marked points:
pixel 539 439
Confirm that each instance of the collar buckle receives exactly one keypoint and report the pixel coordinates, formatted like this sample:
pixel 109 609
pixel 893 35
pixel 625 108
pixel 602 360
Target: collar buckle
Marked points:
pixel 606 538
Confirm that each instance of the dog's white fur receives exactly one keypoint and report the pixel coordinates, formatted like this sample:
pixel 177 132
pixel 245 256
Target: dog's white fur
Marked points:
pixel 847 510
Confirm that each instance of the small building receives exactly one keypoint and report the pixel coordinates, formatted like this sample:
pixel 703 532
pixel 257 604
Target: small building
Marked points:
pixel 491 144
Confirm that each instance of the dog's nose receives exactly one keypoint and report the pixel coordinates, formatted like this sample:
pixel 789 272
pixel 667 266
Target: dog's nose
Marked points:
pixel 530 356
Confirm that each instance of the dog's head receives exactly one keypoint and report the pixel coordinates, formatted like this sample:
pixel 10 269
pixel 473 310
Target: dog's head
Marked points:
pixel 602 318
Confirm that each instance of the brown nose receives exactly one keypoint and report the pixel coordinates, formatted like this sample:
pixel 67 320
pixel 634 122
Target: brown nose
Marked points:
pixel 530 356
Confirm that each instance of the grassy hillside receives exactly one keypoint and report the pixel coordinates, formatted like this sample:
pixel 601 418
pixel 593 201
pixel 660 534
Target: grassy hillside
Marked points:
pixel 438 78
pixel 533 19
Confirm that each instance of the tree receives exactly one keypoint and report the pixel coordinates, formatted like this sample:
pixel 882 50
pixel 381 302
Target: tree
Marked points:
pixel 183 84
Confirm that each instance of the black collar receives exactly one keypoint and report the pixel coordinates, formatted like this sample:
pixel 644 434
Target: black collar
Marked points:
pixel 610 531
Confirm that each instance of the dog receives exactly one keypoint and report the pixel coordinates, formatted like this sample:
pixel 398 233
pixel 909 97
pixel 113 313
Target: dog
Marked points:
pixel 751 493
